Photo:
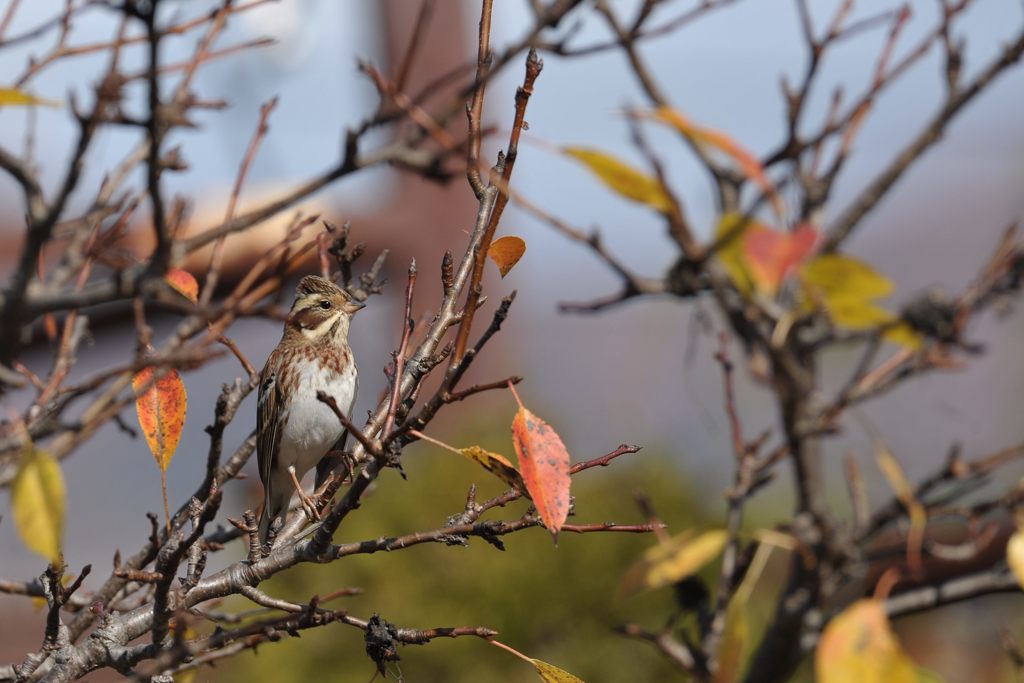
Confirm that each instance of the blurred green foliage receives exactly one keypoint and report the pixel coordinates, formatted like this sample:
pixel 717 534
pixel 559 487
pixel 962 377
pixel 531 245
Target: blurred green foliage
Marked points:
pixel 558 604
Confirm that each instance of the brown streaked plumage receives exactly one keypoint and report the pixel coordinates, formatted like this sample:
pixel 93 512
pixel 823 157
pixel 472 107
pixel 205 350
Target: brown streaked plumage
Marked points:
pixel 294 429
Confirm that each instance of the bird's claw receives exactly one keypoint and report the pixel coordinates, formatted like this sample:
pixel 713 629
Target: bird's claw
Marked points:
pixel 309 504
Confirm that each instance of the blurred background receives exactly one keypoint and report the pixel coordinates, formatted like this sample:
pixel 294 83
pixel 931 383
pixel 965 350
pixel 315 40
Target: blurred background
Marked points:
pixel 642 373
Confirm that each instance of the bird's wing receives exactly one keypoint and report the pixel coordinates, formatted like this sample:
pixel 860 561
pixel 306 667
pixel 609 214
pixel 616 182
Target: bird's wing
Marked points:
pixel 268 426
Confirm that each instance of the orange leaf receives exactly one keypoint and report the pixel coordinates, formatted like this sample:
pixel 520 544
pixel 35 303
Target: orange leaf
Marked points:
pixel 506 252
pixel 544 463
pixel 184 282
pixel 161 410
pixel 772 255
pixel 50 326
pixel 498 465
pixel 708 137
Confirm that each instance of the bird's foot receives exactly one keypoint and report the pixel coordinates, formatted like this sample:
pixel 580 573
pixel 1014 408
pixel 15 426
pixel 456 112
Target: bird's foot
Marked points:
pixel 309 505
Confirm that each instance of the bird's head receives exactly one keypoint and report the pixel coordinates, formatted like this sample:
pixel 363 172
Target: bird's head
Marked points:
pixel 321 310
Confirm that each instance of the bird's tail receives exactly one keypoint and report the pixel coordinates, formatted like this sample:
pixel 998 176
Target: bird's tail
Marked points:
pixel 264 526
pixel 272 509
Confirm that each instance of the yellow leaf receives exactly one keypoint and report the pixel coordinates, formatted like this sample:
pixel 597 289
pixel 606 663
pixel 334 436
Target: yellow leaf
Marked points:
pixel 837 276
pixel 550 673
pixel 623 178
pixel 858 646
pixel 858 315
pixel 848 290
pixel 903 335
pixel 1015 555
pixel 893 472
pixel 13 96
pixel 161 411
pixel 497 465
pixel 736 633
pixel 730 236
pixel 506 252
pixel 37 502
pixel 547 672
pixel 897 479
pixel 681 556
pixel 734 639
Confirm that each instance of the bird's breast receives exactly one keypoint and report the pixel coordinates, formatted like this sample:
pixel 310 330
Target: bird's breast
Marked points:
pixel 311 428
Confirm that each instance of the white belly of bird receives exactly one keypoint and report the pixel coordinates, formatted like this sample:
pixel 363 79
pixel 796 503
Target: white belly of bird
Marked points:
pixel 311 427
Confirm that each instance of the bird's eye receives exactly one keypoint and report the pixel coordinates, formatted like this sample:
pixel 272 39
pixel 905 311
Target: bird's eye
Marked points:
pixel 325 304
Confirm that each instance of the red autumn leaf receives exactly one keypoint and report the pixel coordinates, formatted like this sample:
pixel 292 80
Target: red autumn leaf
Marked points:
pixel 544 464
pixel 772 256
pixel 161 407
pixel 184 282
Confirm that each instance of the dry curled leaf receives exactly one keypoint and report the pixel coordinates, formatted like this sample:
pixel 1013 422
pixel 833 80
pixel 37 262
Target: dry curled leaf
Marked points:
pixel 506 252
pixel 498 465
pixel 184 283
pixel 544 464
pixel 681 556
pixel 625 180
pixel 37 502
pixel 714 139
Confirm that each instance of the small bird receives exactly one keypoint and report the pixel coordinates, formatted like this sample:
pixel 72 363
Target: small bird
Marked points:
pixel 294 430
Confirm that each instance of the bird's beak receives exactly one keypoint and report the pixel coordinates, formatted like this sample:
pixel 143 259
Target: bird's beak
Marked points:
pixel 353 306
